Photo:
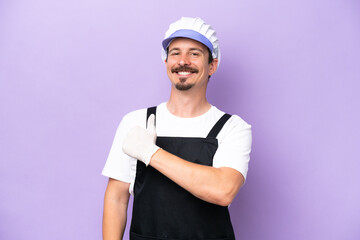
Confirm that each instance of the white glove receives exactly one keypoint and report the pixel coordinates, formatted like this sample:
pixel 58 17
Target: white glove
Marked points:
pixel 139 143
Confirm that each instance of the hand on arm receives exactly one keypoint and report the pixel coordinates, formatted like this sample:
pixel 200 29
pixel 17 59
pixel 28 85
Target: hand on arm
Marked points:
pixel 115 209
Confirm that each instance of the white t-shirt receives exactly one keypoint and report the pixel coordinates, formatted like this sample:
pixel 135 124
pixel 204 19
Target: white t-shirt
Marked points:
pixel 234 140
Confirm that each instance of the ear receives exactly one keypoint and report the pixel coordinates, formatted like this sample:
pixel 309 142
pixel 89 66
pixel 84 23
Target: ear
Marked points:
pixel 213 66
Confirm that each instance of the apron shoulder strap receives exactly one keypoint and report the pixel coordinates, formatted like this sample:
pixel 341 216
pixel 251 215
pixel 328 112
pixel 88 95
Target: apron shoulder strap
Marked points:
pixel 150 110
pixel 218 126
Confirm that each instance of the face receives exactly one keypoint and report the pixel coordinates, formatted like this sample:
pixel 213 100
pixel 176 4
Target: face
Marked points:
pixel 187 64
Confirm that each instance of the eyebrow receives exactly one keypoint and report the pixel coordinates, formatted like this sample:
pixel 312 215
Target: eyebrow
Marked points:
pixel 197 49
pixel 173 49
pixel 191 49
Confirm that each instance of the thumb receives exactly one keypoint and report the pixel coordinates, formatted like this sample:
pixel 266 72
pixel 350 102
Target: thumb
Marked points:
pixel 151 123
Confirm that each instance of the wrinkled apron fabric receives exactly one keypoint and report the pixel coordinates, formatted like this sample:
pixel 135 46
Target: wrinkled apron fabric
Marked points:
pixel 163 210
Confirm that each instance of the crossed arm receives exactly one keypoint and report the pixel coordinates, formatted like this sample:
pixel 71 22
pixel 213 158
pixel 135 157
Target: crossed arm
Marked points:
pixel 215 185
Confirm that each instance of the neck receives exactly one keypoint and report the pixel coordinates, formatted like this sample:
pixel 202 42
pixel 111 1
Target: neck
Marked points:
pixel 188 103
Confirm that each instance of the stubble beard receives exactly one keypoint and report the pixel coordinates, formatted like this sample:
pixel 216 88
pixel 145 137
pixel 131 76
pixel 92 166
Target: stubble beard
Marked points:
pixel 182 85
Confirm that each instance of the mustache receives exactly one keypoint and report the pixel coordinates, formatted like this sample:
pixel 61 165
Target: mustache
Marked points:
pixel 184 69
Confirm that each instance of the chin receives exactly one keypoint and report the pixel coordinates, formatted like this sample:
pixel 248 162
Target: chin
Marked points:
pixel 183 87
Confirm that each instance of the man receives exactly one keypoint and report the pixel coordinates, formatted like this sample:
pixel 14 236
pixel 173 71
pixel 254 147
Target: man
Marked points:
pixel 185 160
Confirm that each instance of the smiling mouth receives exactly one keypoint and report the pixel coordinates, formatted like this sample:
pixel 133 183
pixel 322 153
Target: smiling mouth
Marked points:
pixel 184 71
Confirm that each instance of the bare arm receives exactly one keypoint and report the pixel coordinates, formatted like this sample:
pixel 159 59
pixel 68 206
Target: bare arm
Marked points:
pixel 115 209
pixel 214 185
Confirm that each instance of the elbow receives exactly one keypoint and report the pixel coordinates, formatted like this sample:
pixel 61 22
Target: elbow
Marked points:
pixel 223 191
pixel 227 194
pixel 224 197
pixel 219 197
pixel 225 200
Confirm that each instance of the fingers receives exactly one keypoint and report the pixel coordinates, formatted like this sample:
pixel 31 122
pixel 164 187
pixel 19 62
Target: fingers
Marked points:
pixel 151 123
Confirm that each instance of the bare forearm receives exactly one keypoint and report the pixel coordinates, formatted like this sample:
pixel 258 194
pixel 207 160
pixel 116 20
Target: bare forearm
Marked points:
pixel 214 185
pixel 115 210
pixel 114 220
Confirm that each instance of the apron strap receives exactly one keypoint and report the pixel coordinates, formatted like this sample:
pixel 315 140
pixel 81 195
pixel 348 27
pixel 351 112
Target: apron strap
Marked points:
pixel 150 110
pixel 218 126
pixel 213 132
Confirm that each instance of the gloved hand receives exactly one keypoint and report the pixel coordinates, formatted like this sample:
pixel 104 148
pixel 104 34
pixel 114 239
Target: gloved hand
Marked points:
pixel 139 143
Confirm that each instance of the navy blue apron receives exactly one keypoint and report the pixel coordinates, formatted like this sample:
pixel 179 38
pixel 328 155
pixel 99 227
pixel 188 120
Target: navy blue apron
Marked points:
pixel 164 210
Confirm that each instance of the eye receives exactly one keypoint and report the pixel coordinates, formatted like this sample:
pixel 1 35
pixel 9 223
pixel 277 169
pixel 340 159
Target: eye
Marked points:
pixel 195 54
pixel 174 53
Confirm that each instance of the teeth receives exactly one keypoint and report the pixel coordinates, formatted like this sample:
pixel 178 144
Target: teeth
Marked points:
pixel 184 73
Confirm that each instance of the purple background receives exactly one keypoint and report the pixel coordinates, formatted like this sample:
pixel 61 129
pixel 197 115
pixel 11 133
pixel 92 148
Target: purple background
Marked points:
pixel 69 70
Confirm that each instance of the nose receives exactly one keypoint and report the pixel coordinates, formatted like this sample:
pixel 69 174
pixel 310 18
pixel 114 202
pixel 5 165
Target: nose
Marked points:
pixel 184 60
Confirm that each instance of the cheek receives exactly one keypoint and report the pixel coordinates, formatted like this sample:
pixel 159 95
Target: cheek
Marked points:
pixel 169 64
pixel 171 59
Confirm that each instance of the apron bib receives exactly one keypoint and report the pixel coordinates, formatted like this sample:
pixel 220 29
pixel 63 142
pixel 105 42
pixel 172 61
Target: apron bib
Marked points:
pixel 164 210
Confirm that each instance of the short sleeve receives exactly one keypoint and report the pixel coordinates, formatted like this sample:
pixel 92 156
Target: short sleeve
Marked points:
pixel 234 146
pixel 118 164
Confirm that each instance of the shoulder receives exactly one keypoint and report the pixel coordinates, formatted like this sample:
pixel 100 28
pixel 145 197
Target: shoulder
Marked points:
pixel 235 127
pixel 235 121
pixel 130 120
pixel 133 118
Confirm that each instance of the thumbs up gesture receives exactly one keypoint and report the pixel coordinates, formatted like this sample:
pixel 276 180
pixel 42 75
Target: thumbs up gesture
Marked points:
pixel 139 143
